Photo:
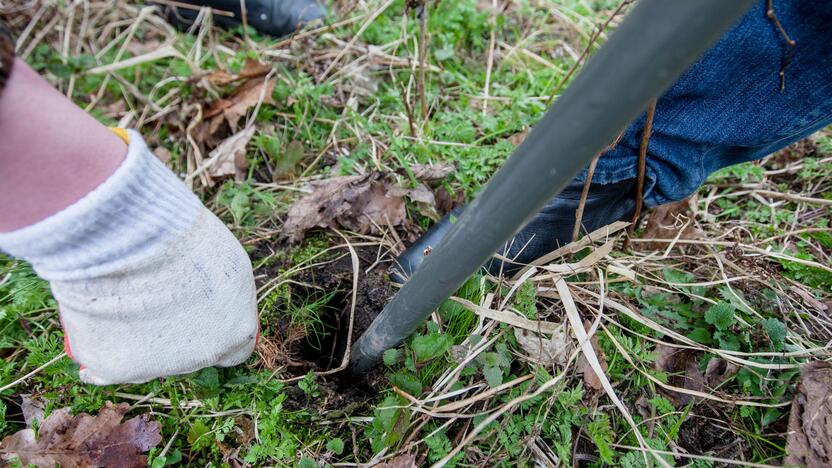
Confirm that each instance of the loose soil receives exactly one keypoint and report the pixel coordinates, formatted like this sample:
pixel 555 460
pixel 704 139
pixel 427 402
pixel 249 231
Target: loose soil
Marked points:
pixel 704 433
pixel 338 393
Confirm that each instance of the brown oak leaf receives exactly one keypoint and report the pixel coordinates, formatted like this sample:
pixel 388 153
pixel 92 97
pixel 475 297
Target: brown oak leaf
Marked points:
pixel 229 158
pixel 359 203
pixel 809 441
pixel 665 221
pixel 683 372
pixel 232 108
pixel 86 441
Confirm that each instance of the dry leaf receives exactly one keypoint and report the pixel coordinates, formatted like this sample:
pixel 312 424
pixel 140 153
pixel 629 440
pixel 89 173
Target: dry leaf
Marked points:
pixel 665 221
pixel 422 196
pixel 431 172
pixel 33 409
pixel 86 441
pixel 362 78
pixel 143 47
pixel 682 369
pixel 162 154
pixel 809 300
pixel 359 203
pixel 245 430
pixel 229 158
pixel 251 69
pixel 719 370
pixel 518 137
pixel 591 380
pixel 543 350
pixel 402 461
pixel 445 202
pixel 235 106
pixel 809 442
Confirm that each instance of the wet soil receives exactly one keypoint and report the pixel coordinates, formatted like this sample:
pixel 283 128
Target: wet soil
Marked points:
pixel 341 393
pixel 705 433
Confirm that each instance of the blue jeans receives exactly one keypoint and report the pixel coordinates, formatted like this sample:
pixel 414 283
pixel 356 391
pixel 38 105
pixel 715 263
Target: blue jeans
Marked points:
pixel 728 107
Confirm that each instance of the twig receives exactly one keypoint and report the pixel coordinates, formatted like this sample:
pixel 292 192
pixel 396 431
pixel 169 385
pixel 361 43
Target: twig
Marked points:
pixel 642 164
pixel 789 41
pixel 453 406
pixel 579 213
pixel 420 85
pixel 490 62
pixel 409 111
pixel 40 368
pixel 244 20
pixel 29 27
pixel 594 37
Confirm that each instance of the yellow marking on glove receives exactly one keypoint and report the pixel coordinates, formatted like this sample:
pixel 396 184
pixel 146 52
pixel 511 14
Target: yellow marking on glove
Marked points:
pixel 121 133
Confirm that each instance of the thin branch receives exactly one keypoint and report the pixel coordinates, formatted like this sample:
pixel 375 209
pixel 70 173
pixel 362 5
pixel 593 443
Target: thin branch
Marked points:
pixel 409 110
pixel 789 41
pixel 592 39
pixel 490 61
pixel 642 164
pixel 579 213
pixel 423 26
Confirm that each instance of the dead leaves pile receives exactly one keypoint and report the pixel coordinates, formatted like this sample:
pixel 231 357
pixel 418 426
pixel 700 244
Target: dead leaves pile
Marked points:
pixel 84 440
pixel 367 204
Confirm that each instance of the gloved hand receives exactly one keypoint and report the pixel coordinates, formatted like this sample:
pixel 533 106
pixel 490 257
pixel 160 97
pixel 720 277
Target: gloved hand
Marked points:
pixel 149 283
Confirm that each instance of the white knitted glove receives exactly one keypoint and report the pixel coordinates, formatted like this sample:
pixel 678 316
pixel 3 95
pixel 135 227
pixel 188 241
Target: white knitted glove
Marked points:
pixel 149 282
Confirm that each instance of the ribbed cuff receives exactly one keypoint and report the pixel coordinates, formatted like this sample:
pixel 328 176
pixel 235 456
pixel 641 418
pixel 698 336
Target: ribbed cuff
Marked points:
pixel 136 211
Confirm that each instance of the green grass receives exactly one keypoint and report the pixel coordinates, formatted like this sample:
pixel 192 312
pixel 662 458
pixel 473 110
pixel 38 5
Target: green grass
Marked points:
pixel 575 423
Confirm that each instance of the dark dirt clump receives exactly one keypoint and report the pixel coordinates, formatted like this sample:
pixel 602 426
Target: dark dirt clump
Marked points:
pixel 328 284
pixel 336 395
pixel 302 351
pixel 700 435
pixel 372 294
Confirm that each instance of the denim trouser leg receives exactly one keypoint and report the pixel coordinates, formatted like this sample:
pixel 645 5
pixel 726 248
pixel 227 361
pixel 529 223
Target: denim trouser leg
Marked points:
pixel 728 107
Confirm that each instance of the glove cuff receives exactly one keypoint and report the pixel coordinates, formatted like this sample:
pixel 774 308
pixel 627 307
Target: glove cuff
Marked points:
pixel 137 211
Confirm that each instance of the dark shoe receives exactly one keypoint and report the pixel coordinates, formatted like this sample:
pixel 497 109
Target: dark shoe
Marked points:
pixel 549 229
pixel 274 17
pixel 411 258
